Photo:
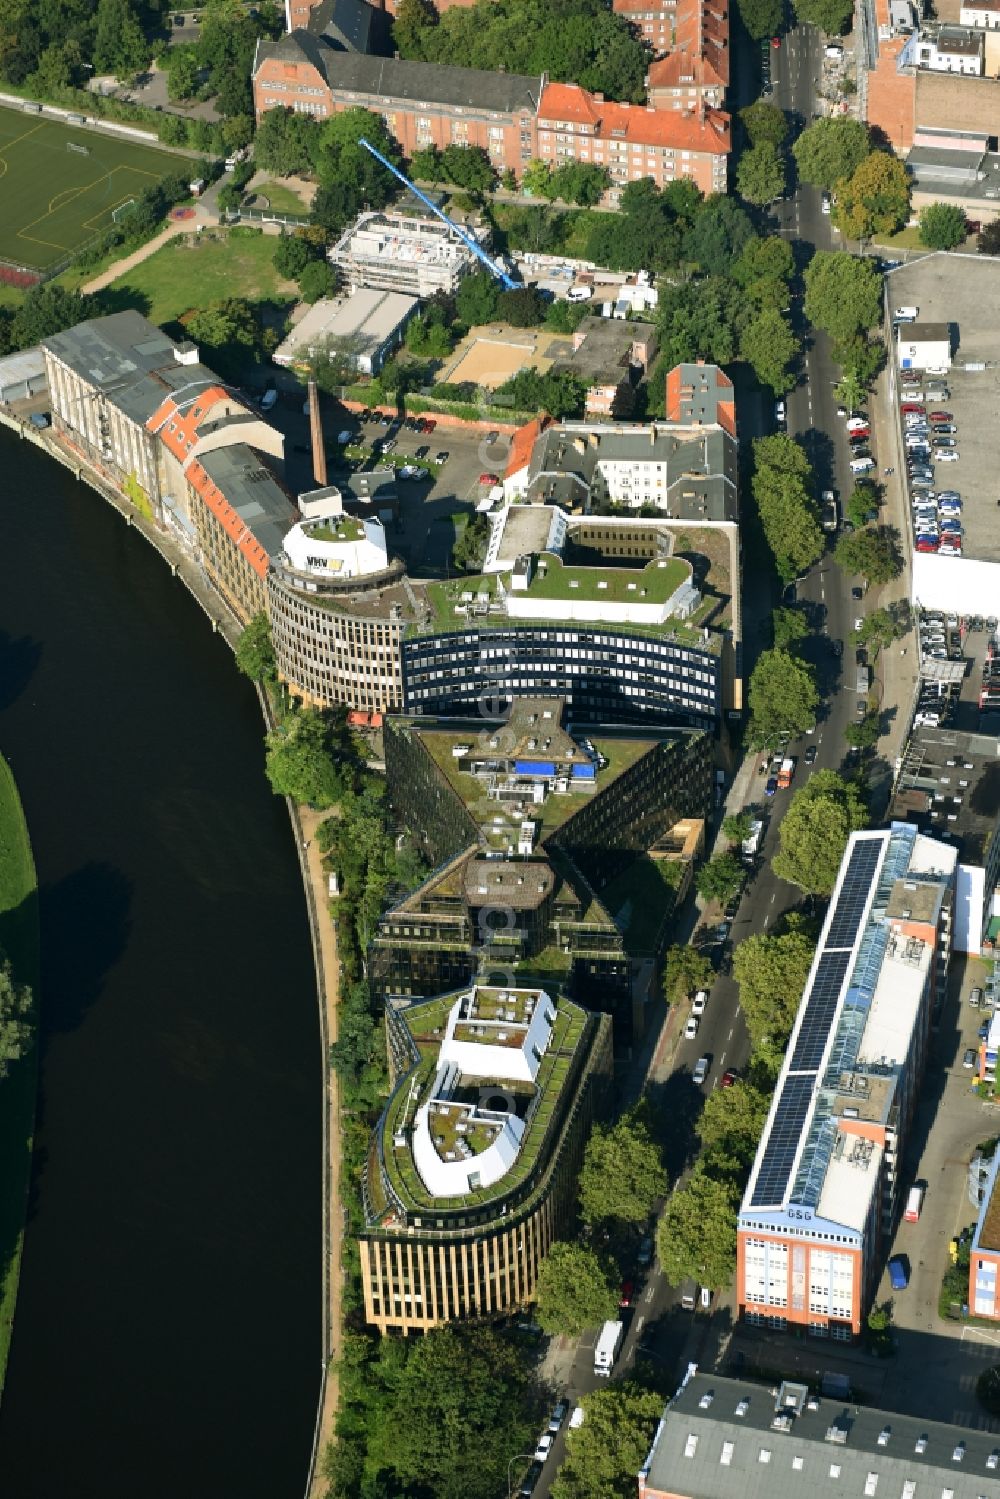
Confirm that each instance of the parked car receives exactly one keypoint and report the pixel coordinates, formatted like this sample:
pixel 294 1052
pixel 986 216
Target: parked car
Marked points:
pixel 645 1254
pixel 489 479
pixel 625 1299
pixel 691 1028
pixel 530 1481
pixel 810 755
pixel 558 1416
pixel 942 455
pixel 771 786
pixel 441 457
pixel 969 1059
pixel 913 406
pixel 943 429
pixel 544 1447
pixel 826 204
pixel 730 1077
pixel 944 442
pixel 975 998
pixel 942 416
pixel 700 1072
pixel 422 451
pixel 699 1002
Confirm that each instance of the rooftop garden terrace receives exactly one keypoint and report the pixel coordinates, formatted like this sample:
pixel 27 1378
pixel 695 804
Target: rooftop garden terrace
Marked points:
pixel 346 528
pixel 557 806
pixel 444 599
pixel 655 583
pixel 426 1023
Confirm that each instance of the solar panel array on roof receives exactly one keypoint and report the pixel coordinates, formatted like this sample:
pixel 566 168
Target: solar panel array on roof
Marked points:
pixel 821 1006
pixel 854 892
pixel 783 1141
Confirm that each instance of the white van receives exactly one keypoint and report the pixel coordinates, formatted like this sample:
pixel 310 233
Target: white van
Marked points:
pixel 914 1202
pixel 579 294
pixel 862 465
pixel 906 314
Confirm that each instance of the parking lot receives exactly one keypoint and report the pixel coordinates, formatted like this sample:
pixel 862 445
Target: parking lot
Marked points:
pixel 431 512
pixel 964 292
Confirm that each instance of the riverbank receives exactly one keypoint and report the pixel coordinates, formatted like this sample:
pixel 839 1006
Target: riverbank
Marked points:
pixel 18 1090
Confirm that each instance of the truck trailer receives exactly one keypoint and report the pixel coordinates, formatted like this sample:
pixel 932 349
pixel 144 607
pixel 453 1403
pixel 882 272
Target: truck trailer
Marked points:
pixel 787 771
pixel 606 1349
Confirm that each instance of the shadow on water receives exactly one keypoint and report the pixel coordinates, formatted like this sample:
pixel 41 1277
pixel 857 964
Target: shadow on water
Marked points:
pixel 85 919
pixel 19 660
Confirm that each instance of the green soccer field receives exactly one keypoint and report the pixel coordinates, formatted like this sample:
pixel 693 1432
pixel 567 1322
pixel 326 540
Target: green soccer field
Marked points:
pixel 53 199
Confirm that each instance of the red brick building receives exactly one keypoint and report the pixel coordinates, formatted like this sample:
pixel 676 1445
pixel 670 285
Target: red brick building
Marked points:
pixel 696 68
pixel 513 118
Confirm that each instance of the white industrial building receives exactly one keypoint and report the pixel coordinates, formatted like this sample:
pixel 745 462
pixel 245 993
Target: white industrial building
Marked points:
pixel 924 346
pixel 366 326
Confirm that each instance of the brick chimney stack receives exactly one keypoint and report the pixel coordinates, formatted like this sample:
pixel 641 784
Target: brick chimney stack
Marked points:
pixel 316 437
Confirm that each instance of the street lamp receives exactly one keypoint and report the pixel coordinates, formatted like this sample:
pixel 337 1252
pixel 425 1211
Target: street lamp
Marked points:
pixel 517 1458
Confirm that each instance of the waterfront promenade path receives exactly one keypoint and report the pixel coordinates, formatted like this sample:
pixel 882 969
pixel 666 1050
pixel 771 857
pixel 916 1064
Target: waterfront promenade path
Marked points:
pixel 309 822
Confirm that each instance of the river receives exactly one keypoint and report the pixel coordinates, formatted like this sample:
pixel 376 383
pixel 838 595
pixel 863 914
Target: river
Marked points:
pixel 167 1337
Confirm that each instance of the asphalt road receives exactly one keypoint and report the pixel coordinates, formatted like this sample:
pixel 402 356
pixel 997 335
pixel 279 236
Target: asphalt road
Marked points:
pixel 656 1326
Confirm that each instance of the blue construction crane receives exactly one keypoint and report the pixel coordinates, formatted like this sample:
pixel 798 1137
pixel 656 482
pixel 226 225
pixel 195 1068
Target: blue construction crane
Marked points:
pixel 468 240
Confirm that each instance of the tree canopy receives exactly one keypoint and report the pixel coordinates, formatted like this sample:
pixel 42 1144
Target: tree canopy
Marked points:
pixel 783 489
pixel 720 878
pixel 579 41
pixel 789 626
pixel 300 759
pixel 685 971
pixel 607 1451
pixel 843 293
pixel 696 1238
pixel 255 651
pixel 827 151
pixel 942 226
pixel 782 697
pixel 577 1288
pixel 764 123
pixel 731 1123
pixel 17 1025
pixel 760 174
pixel 718 235
pixel 769 346
pixel 831 16
pixel 815 829
pixel 875 199
pixel 623 1173
pixel 771 972
pixel 874 553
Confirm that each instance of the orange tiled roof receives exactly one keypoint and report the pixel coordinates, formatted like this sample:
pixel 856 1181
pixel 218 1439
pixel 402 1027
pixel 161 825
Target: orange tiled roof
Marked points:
pixel 235 528
pixel 524 440
pixel 185 417
pixel 703 31
pixel 680 68
pixel 705 130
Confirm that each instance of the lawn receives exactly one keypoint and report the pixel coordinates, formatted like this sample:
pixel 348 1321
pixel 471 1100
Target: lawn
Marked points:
pixel 19 943
pixel 282 198
pixel 56 199
pixel 193 272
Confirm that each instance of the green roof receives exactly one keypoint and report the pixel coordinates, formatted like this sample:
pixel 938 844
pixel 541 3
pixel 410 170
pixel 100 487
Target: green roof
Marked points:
pixel 346 528
pixel 426 1022
pixel 655 583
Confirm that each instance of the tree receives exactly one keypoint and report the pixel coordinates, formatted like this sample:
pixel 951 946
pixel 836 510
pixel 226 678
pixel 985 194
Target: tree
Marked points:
pixel 772 973
pixel 622 1174
pixel 59 67
pixel 299 762
pixel 765 124
pixel 827 151
pixel 942 226
pixel 732 1121
pixel 875 200
pixel 413 18
pixel 699 319
pixel 229 328
pixel 782 488
pixel 988 1389
pixel 468 167
pixel 843 293
pixel 291 256
pixel 577 1288
pixel 760 174
pixel 789 626
pixel 860 358
pixel 850 390
pixel 768 344
pixel 685 971
pixel 815 829
pixel 720 231
pixel 17 1025
pixel 255 650
pixel 866 734
pixel 425 163
pixel 607 1451
pixel 237 133
pixel 183 73
pixel 317 280
pixel 522 307
pixel 782 697
pixel 720 879
pixel 580 182
pixel 736 827
pixel 47 309
pixel 119 45
pixel 452 1408
pixel 559 392
pixel 988 239
pixel 761 17
pixel 873 553
pixel 340 161
pixel 831 16
pixel 864 497
pixel 882 626
pixel 477 299
pixel 696 1239
pixel 284 142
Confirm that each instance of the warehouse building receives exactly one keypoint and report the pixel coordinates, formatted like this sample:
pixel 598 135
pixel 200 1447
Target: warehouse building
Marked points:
pixel 365 327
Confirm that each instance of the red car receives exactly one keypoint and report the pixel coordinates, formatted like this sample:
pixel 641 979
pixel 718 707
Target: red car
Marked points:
pixel 489 479
pixel 776 41
pixel 730 1077
pixel 925 545
pixel 628 1291
pixel 429 424
pixel 910 408
pixel 941 416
